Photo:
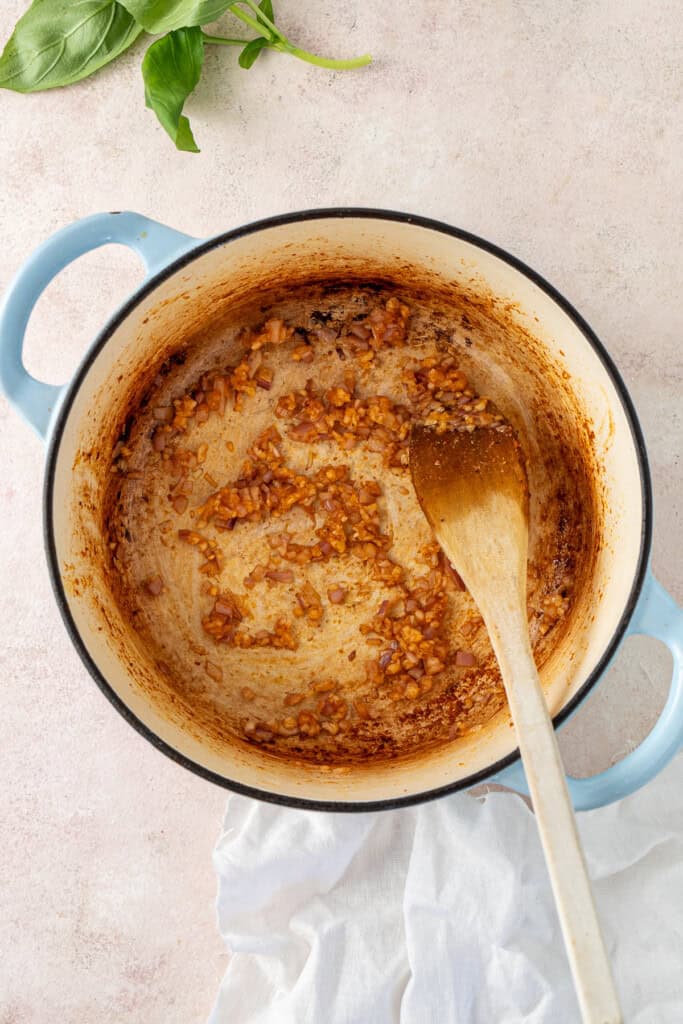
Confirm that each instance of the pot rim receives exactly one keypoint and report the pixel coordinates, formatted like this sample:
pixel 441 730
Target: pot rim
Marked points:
pixel 331 213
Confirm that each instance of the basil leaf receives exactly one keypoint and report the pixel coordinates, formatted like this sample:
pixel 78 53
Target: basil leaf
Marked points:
pixel 251 52
pixel 58 42
pixel 267 8
pixel 171 69
pixel 157 16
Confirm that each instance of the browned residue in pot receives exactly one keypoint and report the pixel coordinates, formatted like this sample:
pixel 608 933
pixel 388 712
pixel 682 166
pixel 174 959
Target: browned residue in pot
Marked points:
pixel 320 690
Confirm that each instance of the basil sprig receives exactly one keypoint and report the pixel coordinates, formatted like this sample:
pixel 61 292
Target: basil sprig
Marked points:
pixel 59 42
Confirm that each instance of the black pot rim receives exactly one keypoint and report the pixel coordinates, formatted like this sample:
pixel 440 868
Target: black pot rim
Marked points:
pixel 101 340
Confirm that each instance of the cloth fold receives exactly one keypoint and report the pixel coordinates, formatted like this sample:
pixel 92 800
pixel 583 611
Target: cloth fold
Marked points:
pixel 442 912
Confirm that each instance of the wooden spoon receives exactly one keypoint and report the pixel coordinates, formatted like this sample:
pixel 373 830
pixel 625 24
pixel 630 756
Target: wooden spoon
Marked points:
pixel 473 490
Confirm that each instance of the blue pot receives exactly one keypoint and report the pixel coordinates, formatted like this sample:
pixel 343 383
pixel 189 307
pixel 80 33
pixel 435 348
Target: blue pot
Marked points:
pixel 184 276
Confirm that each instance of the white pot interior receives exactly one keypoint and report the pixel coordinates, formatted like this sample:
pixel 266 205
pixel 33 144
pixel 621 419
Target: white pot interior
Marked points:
pixel 531 343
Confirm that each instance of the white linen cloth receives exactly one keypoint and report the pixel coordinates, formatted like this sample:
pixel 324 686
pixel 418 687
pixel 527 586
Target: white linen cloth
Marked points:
pixel 442 913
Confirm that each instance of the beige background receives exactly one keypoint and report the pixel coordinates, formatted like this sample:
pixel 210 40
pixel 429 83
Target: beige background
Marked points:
pixel 552 128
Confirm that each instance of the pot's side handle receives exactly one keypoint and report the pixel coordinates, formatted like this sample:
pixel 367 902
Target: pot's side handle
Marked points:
pixel 656 615
pixel 156 244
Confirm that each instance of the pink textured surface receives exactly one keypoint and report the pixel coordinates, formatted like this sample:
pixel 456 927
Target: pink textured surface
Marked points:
pixel 554 131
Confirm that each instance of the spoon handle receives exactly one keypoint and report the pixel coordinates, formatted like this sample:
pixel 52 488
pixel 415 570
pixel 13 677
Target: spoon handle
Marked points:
pixel 557 827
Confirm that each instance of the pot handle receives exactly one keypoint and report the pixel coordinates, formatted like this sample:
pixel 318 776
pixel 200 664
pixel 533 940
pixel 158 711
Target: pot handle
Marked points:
pixel 656 615
pixel 156 244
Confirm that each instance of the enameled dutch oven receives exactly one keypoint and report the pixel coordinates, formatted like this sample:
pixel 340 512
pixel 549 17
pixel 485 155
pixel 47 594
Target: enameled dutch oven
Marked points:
pixel 187 280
